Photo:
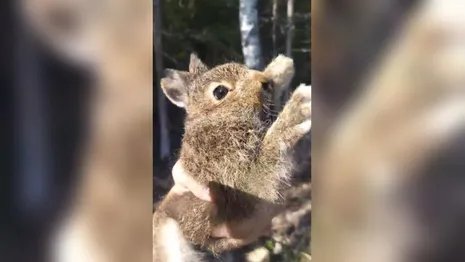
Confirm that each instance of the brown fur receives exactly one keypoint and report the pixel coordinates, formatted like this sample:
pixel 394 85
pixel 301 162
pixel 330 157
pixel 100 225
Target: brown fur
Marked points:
pixel 230 146
pixel 169 245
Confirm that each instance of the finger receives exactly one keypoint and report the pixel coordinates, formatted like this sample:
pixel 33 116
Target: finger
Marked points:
pixel 233 243
pixel 268 231
pixel 178 189
pixel 175 190
pixel 224 231
pixel 221 232
pixel 183 179
pixel 255 226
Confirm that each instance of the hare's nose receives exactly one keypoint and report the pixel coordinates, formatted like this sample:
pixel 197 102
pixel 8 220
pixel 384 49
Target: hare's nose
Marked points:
pixel 266 86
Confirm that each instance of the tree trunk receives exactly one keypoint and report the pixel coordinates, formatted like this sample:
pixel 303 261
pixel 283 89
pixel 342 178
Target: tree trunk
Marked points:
pixel 289 35
pixel 164 137
pixel 275 26
pixel 248 18
pixel 290 27
pixel 276 95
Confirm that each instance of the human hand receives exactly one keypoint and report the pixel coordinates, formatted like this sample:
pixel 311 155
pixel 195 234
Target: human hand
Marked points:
pixel 184 183
pixel 238 234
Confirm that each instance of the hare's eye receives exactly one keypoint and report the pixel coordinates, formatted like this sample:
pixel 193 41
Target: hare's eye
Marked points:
pixel 220 92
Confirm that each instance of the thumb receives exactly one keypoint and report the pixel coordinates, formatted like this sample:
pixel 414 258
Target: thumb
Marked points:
pixel 184 180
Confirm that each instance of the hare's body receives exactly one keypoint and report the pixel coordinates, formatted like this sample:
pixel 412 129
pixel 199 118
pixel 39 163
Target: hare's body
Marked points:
pixel 231 145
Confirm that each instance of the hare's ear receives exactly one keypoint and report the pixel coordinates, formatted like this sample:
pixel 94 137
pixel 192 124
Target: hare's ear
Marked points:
pixel 174 85
pixel 196 66
pixel 280 71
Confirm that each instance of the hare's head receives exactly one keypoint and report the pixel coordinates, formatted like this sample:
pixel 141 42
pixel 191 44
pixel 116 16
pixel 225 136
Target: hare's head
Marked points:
pixel 226 90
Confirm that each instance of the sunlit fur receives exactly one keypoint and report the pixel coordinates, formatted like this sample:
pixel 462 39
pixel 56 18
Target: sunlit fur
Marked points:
pixel 230 146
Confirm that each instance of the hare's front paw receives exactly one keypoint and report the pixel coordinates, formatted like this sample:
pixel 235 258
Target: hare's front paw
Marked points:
pixel 296 115
pixel 300 109
pixel 295 120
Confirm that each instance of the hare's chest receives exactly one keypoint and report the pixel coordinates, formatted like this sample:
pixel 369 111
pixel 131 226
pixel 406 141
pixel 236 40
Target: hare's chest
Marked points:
pixel 221 156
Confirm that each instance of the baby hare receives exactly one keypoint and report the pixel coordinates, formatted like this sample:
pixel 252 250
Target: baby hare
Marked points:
pixel 232 145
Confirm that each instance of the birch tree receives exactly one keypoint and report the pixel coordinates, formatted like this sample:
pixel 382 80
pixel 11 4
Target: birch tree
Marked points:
pixel 250 37
pixel 290 27
pixel 275 26
pixel 276 95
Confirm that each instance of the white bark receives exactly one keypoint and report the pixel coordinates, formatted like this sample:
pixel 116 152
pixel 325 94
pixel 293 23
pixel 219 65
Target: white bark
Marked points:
pixel 277 93
pixel 290 27
pixel 275 26
pixel 248 18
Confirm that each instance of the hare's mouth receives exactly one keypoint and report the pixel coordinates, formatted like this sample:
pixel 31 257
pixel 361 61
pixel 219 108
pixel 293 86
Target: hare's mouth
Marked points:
pixel 269 113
